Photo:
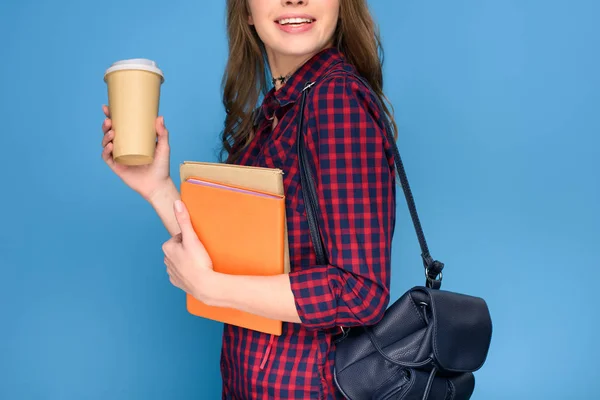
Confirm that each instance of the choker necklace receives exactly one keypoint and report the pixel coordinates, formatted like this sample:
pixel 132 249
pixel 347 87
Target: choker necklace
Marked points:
pixel 281 79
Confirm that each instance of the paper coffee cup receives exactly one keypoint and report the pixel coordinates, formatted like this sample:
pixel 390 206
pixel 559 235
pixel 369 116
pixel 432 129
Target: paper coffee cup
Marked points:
pixel 133 98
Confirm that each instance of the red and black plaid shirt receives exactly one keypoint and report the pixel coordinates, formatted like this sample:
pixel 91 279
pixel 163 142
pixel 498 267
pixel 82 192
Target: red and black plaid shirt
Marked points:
pixel 354 175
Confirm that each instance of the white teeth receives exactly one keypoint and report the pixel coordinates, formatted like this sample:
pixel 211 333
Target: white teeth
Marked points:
pixel 287 21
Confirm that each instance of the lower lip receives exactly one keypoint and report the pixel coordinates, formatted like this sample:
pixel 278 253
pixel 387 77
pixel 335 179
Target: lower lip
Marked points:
pixel 296 28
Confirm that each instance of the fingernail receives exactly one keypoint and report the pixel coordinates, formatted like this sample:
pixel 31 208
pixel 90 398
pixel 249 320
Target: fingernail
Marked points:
pixel 178 206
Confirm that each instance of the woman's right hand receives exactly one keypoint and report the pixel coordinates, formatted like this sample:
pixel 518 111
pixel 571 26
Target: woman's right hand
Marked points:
pixel 144 179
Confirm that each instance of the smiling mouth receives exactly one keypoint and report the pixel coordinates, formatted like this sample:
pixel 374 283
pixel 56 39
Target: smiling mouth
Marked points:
pixel 294 22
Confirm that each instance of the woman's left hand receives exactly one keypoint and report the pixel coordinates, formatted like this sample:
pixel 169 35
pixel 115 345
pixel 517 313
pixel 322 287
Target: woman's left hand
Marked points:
pixel 188 264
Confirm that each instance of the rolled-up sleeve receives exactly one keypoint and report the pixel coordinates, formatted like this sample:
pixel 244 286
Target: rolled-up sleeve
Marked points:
pixel 355 182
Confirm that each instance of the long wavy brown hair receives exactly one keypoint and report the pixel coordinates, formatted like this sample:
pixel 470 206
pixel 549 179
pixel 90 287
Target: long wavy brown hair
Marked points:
pixel 356 36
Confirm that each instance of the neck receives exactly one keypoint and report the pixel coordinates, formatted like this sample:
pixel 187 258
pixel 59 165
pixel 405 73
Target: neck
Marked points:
pixel 284 66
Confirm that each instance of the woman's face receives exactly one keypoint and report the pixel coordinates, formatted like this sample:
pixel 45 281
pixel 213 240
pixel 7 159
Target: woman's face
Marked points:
pixel 294 27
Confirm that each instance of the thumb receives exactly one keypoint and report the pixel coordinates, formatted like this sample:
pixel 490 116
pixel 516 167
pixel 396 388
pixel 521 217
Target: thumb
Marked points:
pixel 188 235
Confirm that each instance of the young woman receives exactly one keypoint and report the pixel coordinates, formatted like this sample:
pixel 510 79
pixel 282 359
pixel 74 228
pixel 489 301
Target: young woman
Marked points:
pixel 323 42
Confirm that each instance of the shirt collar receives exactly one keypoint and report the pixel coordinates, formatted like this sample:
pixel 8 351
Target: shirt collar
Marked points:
pixel 316 66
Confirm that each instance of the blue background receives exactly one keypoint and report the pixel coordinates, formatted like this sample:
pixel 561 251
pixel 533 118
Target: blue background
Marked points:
pixel 497 104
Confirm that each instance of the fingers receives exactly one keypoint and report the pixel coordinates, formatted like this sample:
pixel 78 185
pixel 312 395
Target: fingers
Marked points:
pixel 172 272
pixel 169 267
pixel 166 247
pixel 107 155
pixel 108 137
pixel 173 277
pixel 175 282
pixel 106 125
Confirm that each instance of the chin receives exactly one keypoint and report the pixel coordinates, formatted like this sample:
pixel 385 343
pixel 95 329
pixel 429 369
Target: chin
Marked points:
pixel 292 49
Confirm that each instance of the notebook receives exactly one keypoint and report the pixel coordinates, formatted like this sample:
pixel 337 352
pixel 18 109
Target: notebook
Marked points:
pixel 243 230
pixel 255 178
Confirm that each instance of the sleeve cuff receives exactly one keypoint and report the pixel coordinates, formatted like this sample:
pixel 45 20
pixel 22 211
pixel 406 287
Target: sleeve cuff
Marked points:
pixel 314 291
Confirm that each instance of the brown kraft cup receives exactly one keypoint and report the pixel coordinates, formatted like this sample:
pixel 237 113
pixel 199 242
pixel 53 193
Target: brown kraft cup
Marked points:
pixel 133 99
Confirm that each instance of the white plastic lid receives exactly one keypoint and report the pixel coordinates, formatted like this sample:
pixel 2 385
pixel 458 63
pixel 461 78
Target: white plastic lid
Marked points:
pixel 137 64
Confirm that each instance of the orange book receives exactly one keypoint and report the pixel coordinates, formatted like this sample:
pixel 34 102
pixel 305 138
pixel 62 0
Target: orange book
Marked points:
pixel 243 231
